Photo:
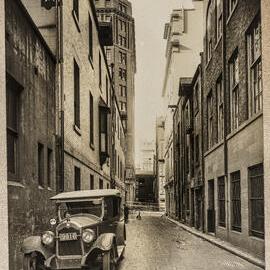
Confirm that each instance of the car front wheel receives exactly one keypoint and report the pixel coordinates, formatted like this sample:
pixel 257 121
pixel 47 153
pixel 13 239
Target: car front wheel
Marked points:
pixel 33 262
pixel 109 260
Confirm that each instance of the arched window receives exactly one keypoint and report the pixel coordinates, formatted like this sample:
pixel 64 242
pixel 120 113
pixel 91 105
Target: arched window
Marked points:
pixel 209 42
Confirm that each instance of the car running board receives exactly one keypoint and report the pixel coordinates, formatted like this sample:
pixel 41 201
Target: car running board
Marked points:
pixel 120 251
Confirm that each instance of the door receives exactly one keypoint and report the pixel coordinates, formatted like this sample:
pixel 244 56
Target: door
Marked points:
pixel 211 219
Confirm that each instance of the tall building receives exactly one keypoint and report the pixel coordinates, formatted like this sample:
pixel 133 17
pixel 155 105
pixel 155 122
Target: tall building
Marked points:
pixel 122 54
pixel 184 36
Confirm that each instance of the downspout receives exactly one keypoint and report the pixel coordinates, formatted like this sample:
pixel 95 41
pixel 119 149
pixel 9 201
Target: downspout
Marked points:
pixel 225 114
pixel 59 16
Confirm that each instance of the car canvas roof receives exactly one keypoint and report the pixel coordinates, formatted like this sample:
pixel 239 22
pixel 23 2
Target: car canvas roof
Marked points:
pixel 84 194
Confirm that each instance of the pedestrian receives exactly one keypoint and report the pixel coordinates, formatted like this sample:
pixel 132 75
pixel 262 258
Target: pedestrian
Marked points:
pixel 126 212
pixel 139 216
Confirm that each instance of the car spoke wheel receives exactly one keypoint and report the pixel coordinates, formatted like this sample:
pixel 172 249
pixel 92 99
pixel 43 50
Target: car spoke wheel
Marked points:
pixel 33 262
pixel 109 260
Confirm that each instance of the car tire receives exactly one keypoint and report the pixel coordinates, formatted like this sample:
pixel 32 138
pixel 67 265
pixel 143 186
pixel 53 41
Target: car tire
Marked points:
pixel 109 260
pixel 33 262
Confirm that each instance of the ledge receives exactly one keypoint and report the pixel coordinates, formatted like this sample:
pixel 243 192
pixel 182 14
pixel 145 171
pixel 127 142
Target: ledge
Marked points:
pixel 15 184
pixel 77 130
pixel 91 61
pixel 76 20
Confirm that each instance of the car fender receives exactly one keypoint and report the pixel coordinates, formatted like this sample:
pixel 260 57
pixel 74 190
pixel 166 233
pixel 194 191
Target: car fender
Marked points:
pixel 103 243
pixel 34 244
pixel 121 233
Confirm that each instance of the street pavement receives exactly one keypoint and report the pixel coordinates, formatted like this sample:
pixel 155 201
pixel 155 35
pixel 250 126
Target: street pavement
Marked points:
pixel 155 243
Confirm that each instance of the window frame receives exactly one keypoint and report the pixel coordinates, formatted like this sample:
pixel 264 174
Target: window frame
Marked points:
pixel 236 179
pixel 221 201
pixel 220 108
pixel 77 105
pixel 210 120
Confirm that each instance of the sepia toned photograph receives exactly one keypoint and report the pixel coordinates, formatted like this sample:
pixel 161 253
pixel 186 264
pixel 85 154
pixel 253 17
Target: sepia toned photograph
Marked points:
pixel 134 134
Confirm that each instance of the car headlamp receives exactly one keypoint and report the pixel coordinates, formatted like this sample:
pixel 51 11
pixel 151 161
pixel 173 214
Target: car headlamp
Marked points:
pixel 88 236
pixel 47 238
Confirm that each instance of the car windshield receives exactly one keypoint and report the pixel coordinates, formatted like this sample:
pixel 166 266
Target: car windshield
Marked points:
pixel 93 207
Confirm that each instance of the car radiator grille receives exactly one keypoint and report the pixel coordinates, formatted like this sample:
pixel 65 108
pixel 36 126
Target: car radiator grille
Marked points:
pixel 69 248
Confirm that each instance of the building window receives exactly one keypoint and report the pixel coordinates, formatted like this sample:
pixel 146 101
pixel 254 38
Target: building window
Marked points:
pixel 76 8
pixel 196 98
pixel 122 7
pixel 92 183
pixel 99 71
pixel 77 178
pixel 40 164
pixel 100 184
pixel 123 90
pixel 90 36
pixel 221 202
pixel 231 6
pixel 49 167
pixel 107 90
pixel 218 19
pixel 122 74
pixel 122 58
pixel 210 120
pixel 220 108
pixel 76 94
pixel 209 42
pixel 255 67
pixel 109 54
pixel 12 107
pixel 91 118
pixel 236 201
pixel 197 149
pixel 256 196
pixel 234 90
pixel 122 40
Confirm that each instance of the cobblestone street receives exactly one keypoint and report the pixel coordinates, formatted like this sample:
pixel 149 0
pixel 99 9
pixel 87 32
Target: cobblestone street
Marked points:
pixel 155 243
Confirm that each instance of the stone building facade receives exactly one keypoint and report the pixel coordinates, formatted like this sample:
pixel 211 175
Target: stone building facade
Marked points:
pixel 184 44
pixel 122 54
pixel 31 134
pixel 233 123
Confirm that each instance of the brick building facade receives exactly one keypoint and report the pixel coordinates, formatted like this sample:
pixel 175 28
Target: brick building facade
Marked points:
pixel 233 124
pixel 30 112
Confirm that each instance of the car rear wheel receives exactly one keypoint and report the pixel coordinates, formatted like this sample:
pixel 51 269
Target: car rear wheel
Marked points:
pixel 109 260
pixel 33 262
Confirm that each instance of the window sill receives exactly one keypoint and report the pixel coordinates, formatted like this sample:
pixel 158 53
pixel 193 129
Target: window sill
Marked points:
pixel 77 130
pixel 231 14
pixel 236 231
pixel 256 238
pixel 50 189
pixel 15 184
pixel 91 61
pixel 40 187
pixel 76 20
pixel 213 148
pixel 244 125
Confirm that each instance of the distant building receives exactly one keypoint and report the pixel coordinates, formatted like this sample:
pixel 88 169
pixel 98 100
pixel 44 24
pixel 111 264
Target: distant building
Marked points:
pixel 184 35
pixel 160 166
pixel 122 54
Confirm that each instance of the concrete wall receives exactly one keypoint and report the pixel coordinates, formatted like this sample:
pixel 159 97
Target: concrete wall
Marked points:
pixel 265 12
pixel 4 262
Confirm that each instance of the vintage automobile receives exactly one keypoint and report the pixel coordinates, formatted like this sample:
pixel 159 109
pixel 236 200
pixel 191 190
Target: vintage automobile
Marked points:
pixel 89 233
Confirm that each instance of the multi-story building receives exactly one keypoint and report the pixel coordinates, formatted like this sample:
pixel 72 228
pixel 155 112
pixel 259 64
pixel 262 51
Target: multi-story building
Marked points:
pixel 188 150
pixel 265 18
pixel 160 169
pixel 4 263
pixel 122 55
pixel 233 123
pixel 184 44
pixel 85 87
pixel 30 128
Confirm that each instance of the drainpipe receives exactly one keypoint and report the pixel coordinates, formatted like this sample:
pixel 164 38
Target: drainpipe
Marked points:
pixel 225 114
pixel 60 75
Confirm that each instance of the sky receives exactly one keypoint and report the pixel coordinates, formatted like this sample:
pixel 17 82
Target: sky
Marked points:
pixel 150 18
